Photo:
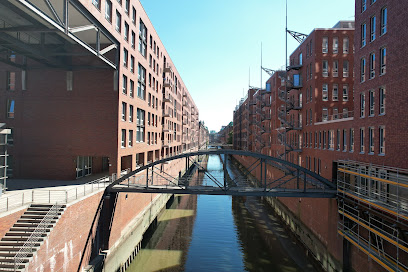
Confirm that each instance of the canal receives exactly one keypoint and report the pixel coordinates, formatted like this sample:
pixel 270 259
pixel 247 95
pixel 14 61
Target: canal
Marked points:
pixel 219 233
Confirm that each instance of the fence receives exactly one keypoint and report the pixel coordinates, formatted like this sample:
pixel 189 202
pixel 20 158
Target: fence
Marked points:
pixel 47 196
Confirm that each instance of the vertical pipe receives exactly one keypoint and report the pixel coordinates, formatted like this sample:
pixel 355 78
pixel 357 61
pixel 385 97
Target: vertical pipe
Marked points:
pixel 261 171
pixel 286 78
pixel 147 177
pixel 265 176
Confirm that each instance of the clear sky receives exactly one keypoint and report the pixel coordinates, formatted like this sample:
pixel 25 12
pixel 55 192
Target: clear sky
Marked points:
pixel 215 43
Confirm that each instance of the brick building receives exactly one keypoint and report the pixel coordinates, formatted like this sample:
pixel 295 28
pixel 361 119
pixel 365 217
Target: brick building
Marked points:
pixel 87 105
pixel 332 117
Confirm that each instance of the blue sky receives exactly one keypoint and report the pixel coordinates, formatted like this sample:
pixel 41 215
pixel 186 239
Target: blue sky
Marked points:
pixel 214 43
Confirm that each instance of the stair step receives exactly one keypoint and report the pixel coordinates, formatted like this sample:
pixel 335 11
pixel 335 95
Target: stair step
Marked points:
pixel 35 209
pixel 47 205
pixel 25 229
pixel 35 216
pixel 30 225
pixel 38 213
pixel 11 260
pixel 11 255
pixel 34 220
pixel 9 249
pixel 16 244
pixel 10 266
pixel 20 234
pixel 12 239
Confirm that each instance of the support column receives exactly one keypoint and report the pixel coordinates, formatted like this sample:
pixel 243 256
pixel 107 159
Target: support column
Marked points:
pixel 261 170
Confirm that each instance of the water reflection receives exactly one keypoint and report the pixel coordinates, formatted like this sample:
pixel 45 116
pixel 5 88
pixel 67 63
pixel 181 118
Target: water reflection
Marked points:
pixel 219 233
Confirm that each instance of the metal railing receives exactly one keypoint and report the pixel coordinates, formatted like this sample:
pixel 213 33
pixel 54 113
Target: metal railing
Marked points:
pixel 34 238
pixel 46 196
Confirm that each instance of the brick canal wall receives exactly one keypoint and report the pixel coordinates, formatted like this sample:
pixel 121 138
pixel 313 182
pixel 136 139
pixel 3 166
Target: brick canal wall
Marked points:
pixel 313 221
pixel 64 248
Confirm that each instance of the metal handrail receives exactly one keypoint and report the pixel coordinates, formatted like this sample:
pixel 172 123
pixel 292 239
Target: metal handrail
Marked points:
pixel 46 196
pixel 38 232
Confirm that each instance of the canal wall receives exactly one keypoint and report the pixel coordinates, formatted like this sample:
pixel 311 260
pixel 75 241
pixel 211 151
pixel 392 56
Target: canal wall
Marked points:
pixel 312 221
pixel 69 244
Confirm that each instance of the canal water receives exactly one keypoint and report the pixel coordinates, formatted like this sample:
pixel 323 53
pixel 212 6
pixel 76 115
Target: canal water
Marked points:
pixel 219 233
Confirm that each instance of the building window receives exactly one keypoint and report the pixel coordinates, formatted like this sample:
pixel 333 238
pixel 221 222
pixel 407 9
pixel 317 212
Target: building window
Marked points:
pixel 131 88
pixel 346 45
pixel 351 139
pixel 338 140
pixel 335 68
pixel 362 105
pixel 335 92
pixel 132 64
pixel 330 139
pixel 11 81
pixel 141 82
pixel 371 103
pixel 310 71
pixel 372 65
pixel 383 60
pixel 130 140
pixel 140 125
pixel 126 34
pixel 363 34
pixel 315 138
pixel 371 140
pixel 142 39
pixel 10 108
pixel 344 140
pixel 324 114
pixel 335 45
pixel 382 100
pixel 130 113
pixel 335 113
pixel 300 56
pixel 325 45
pixel 108 11
pixel 325 92
pixel 362 70
pixel 345 68
pixel 381 136
pixel 361 140
pixel 372 28
pixel 372 2
pixel 345 112
pixel 124 106
pixel 134 15
pixel 311 116
pixel 325 69
pixel 127 6
pixel 118 22
pixel 123 141
pixel 345 92
pixel 125 57
pixel 97 4
pixel 320 139
pixel 383 21
pixel 324 139
pixel 124 85
pixel 132 40
pixel 363 5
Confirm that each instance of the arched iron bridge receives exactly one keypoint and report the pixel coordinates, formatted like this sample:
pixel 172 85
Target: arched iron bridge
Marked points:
pixel 295 181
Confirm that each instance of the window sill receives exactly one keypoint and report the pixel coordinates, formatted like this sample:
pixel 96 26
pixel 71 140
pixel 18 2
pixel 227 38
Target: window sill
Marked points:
pixel 370 153
pixel 381 154
pixel 361 153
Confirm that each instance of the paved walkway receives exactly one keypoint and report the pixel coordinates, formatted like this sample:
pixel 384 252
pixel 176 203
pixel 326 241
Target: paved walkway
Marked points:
pixel 22 192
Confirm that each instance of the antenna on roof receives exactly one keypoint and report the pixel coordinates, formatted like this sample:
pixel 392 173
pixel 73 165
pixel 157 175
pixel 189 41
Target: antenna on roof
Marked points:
pixel 261 65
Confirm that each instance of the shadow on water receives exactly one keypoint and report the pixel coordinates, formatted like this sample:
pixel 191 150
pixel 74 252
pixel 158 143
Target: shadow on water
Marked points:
pixel 218 233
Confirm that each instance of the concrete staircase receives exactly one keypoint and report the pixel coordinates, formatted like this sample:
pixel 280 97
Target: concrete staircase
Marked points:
pixel 27 235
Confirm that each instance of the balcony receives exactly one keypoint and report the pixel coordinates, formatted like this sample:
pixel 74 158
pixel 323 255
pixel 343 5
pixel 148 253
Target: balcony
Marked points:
pixel 166 113
pixel 167 98
pixel 296 83
pixel 168 69
pixel 294 66
pixel 335 117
